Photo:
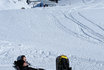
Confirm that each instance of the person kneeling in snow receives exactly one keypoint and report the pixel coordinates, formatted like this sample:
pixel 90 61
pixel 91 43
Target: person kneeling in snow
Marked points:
pixel 22 64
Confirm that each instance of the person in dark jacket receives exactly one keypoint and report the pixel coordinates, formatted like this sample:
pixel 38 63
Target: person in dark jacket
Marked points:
pixel 22 64
pixel 23 57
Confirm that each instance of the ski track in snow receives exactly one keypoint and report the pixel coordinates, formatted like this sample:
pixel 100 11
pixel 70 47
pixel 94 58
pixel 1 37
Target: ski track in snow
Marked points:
pixel 88 29
pixel 91 21
pixel 88 32
pixel 65 29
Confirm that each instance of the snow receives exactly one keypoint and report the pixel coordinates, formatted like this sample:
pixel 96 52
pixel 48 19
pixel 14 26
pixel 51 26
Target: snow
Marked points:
pixel 79 2
pixel 42 34
pixel 13 4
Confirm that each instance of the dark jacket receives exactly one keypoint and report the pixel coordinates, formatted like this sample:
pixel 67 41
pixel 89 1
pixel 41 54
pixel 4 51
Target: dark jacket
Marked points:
pixel 19 66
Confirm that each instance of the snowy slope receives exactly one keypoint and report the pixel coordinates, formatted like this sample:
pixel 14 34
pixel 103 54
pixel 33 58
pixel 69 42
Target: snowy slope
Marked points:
pixel 13 4
pixel 79 2
pixel 44 33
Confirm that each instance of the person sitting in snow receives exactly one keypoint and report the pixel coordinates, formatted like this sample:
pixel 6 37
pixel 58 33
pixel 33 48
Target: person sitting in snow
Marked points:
pixel 22 64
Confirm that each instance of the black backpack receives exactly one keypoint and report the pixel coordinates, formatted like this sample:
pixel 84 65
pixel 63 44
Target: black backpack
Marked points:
pixel 62 63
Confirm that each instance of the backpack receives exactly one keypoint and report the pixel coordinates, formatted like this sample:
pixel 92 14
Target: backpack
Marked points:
pixel 62 63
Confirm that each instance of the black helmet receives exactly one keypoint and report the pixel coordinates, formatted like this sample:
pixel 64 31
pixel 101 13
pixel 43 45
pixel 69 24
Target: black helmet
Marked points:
pixel 20 57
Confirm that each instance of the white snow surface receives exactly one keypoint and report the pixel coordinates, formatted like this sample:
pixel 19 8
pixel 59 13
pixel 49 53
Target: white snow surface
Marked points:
pixel 13 4
pixel 42 34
